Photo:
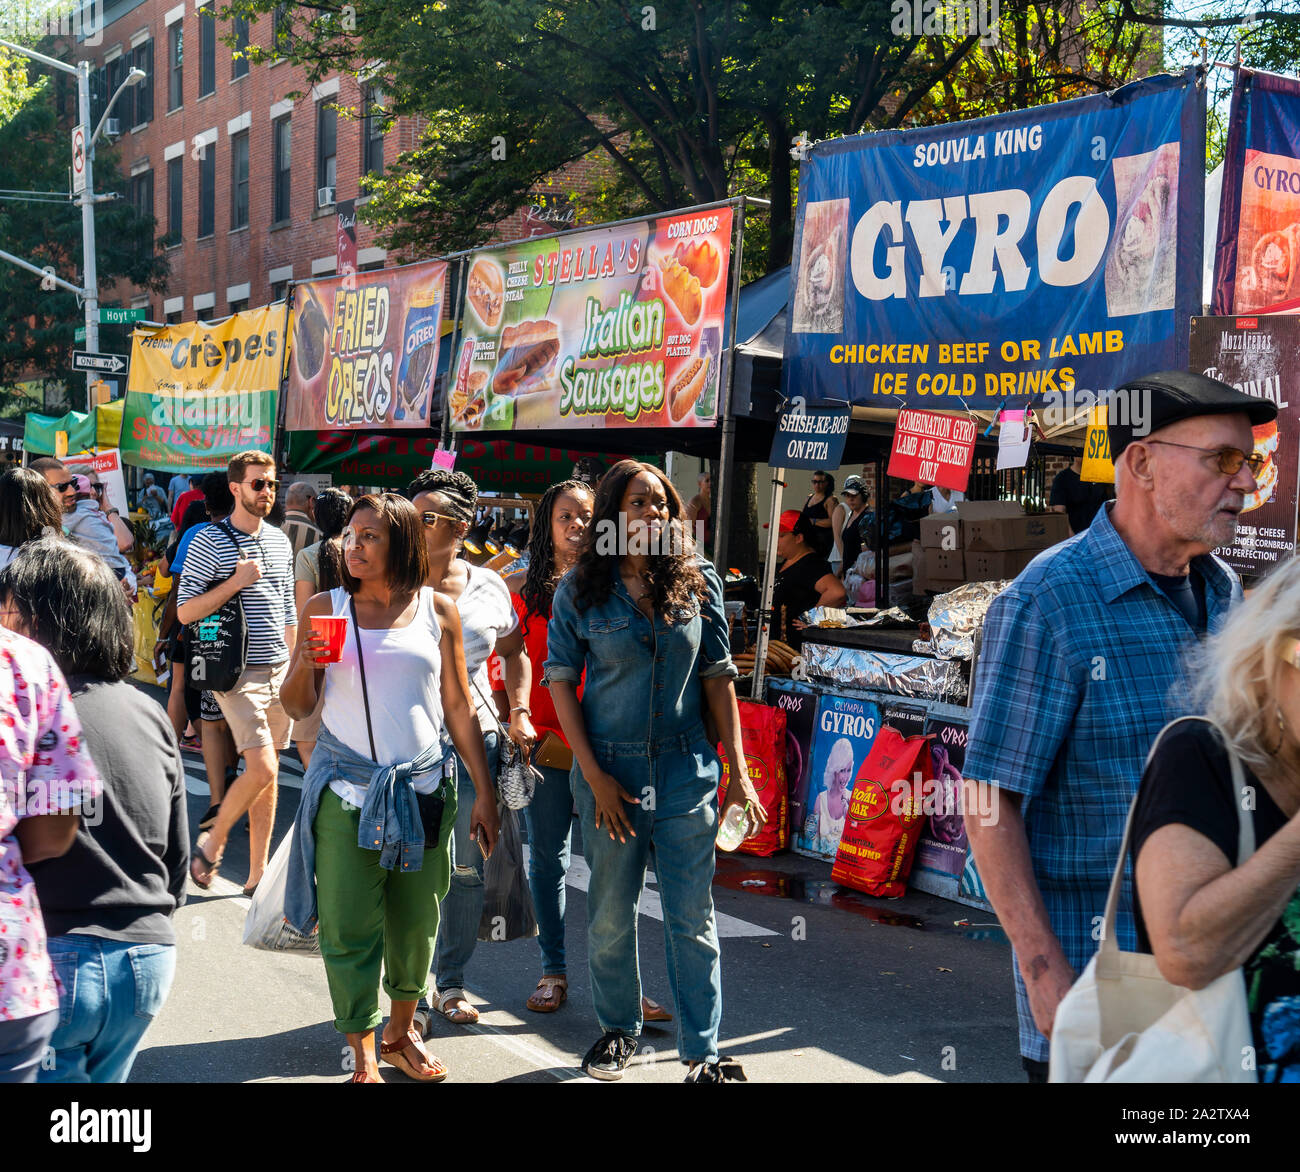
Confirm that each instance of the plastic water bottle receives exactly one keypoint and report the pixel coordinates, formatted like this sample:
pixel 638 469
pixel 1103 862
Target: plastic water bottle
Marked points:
pixel 734 829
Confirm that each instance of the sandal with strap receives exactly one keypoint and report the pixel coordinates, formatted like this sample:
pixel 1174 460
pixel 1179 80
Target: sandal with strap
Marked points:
pixel 552 992
pixel 464 1015
pixel 203 869
pixel 653 1011
pixel 396 1054
pixel 363 1076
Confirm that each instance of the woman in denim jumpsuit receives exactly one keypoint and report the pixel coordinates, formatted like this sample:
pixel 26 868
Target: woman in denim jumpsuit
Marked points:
pixel 643 614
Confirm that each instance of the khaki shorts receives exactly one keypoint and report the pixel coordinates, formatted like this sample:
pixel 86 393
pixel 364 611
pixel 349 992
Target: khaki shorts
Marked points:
pixel 306 731
pixel 253 710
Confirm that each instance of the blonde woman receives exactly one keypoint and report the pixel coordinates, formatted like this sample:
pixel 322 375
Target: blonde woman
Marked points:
pixel 1202 911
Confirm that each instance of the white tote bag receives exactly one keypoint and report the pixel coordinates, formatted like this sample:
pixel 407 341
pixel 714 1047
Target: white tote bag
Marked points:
pixel 265 927
pixel 1123 1022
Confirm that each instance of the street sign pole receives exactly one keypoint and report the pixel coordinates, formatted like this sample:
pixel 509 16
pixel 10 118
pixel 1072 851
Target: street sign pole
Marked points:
pixel 91 274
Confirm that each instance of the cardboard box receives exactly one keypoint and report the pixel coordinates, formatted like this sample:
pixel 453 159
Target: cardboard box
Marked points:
pixel 995 565
pixel 1032 531
pixel 938 532
pixel 946 564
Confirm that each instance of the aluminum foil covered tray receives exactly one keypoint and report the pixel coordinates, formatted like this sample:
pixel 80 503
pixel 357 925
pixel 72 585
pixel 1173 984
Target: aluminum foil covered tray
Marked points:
pixel 885 671
pixel 955 618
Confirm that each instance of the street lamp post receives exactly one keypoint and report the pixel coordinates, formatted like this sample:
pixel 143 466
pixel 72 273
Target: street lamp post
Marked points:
pixel 90 275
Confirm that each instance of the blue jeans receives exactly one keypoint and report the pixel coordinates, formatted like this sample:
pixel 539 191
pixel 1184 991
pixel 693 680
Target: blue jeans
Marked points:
pixel 463 907
pixel 550 832
pixel 112 990
pixel 677 820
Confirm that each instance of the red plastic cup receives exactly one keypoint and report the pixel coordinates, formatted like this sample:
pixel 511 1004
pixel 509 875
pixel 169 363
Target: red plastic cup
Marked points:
pixel 335 629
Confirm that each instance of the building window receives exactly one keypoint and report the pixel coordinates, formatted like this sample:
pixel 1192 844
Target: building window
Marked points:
pixel 175 200
pixel 280 169
pixel 239 63
pixel 140 97
pixel 372 131
pixel 207 50
pixel 175 67
pixel 239 306
pixel 281 28
pixel 116 74
pixel 280 290
pixel 207 190
pixel 142 193
pixel 239 181
pixel 327 143
pixel 174 317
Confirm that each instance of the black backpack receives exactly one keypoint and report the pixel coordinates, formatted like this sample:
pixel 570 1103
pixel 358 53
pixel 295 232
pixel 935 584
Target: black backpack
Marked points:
pixel 218 644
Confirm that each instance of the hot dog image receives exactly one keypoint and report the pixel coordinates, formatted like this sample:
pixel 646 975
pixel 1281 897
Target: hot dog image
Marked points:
pixel 686 388
pixel 1266 440
pixel 683 289
pixel 701 259
pixel 486 292
pixel 528 353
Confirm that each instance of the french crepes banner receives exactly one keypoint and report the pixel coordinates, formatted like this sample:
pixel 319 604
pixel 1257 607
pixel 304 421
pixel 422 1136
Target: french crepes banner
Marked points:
pixel 1037 253
pixel 200 392
pixel 611 327
pixel 365 349
pixel 1257 253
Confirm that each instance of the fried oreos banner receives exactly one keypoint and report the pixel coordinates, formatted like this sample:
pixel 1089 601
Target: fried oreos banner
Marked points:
pixel 1257 253
pixel 199 392
pixel 365 349
pixel 610 327
pixel 1034 253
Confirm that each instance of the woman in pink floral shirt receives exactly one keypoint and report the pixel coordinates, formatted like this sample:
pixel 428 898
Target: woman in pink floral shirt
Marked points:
pixel 47 779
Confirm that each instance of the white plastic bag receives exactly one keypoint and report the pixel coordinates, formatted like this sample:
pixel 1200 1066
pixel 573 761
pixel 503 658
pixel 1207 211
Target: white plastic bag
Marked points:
pixel 265 927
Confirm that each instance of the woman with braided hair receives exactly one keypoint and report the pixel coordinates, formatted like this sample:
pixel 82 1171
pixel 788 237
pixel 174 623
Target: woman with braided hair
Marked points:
pixel 445 501
pixel 554 543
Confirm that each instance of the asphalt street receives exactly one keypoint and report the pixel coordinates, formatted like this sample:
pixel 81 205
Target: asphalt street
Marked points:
pixel 820 984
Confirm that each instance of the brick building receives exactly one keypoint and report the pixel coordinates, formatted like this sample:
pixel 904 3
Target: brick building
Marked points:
pixel 242 179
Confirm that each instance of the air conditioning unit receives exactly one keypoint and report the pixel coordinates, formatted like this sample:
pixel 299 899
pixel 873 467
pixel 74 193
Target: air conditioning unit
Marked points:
pixel 113 127
pixel 324 197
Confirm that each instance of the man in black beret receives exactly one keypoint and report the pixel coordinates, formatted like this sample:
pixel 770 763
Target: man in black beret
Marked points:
pixel 1083 662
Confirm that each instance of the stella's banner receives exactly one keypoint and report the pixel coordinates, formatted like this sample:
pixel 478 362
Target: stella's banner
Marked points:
pixel 365 349
pixel 1030 254
pixel 199 392
pixel 1257 253
pixel 612 327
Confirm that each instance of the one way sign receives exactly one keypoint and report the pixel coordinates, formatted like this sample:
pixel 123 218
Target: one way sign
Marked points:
pixel 111 363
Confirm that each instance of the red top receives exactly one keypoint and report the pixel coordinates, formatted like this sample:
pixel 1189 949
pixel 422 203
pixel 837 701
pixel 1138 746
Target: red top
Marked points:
pixel 544 717
pixel 182 503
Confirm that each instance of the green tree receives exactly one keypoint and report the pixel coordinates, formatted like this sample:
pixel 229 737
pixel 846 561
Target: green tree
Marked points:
pixel 36 327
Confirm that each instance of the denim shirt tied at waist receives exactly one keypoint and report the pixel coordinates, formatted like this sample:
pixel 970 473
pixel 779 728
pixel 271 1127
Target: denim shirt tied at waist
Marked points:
pixel 643 675
pixel 390 819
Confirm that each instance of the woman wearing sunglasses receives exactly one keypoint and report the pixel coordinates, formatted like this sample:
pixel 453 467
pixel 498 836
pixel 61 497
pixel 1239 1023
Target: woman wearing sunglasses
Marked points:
pixel 371 839
pixel 641 614
pixel 1203 907
pixel 445 501
pixel 28 510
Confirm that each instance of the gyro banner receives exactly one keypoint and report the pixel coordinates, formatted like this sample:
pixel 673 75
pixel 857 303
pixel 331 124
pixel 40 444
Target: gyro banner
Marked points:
pixel 365 349
pixel 1039 253
pixel 199 392
pixel 616 327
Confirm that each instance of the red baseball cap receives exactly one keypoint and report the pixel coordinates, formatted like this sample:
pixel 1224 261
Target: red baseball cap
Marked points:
pixel 787 522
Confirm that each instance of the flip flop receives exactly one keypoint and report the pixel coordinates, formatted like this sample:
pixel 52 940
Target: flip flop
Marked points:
pixel 466 1015
pixel 202 869
pixel 362 1076
pixel 551 993
pixel 395 1054
pixel 653 1011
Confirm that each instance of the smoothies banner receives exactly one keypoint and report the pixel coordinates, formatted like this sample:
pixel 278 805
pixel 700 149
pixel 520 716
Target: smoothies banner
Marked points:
pixel 1035 253
pixel 365 348
pixel 1257 254
pixel 199 392
pixel 1260 356
pixel 613 327
pixel 391 460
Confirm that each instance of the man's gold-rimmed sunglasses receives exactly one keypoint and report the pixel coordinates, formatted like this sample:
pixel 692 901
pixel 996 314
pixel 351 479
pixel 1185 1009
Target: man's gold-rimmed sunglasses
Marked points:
pixel 1230 460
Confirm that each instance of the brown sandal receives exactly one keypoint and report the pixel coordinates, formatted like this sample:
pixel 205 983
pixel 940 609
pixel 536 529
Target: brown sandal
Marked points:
pixel 653 1011
pixel 551 993
pixel 363 1076
pixel 395 1054
pixel 203 869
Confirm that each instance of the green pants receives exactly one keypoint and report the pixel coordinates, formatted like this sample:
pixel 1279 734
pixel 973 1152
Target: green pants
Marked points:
pixel 368 915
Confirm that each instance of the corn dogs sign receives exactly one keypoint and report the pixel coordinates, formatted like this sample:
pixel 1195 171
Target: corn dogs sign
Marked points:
pixel 612 327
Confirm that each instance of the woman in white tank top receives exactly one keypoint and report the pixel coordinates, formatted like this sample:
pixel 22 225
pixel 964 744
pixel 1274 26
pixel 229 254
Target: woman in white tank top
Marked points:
pixel 392 700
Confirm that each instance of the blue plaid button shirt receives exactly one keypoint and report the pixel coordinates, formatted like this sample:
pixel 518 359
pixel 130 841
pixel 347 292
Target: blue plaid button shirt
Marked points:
pixel 1084 661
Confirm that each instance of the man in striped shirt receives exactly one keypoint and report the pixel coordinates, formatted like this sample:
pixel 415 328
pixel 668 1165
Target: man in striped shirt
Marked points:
pixel 244 556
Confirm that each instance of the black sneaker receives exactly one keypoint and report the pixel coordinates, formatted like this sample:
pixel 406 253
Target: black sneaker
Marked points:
pixel 609 1057
pixel 720 1070
pixel 209 819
